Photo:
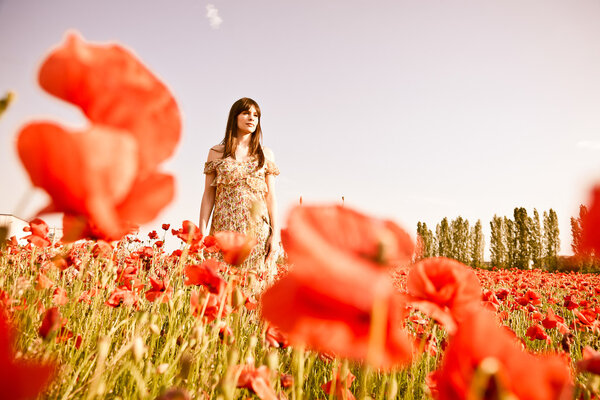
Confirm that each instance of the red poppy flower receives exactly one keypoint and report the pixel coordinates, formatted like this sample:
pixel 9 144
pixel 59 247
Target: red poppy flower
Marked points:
pixel 39 233
pixel 342 388
pixel 52 321
pixel 60 297
pixel 236 247
pixel 166 227
pixel 102 249
pixel 251 304
pixel 131 283
pixel 530 297
pixel 19 379
pixel 189 232
pixel 160 291
pixel 569 303
pixel 287 381
pixel 208 305
pixel 88 295
pixel 444 289
pixel 490 300
pixel 502 294
pixel 43 282
pixel 275 338
pixel 496 351
pixel 338 286
pixel 70 260
pixel 590 235
pixel 552 320
pixel 590 361
pixel 113 88
pixel 122 297
pixel 536 332
pixel 109 180
pixel 226 334
pixel 205 274
pixel 586 317
pixel 536 316
pixel 257 380
pixel 210 244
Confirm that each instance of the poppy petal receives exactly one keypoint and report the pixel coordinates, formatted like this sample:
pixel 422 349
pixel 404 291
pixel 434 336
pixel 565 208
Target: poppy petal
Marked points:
pixel 113 88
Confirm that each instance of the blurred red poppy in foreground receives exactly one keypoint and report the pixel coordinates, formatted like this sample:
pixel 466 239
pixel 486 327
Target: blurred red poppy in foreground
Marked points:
pixel 590 236
pixel 236 247
pixel 484 360
pixel 338 296
pixel 104 177
pixel 19 379
pixel 444 289
pixel 590 361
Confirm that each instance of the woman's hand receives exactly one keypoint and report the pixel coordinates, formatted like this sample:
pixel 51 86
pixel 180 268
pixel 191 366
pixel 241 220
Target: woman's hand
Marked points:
pixel 273 246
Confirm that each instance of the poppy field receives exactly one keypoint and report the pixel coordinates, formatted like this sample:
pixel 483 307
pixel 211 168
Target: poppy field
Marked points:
pixel 351 313
pixel 93 320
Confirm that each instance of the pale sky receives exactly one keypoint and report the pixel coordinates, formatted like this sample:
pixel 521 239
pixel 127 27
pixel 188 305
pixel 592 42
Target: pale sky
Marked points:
pixel 411 110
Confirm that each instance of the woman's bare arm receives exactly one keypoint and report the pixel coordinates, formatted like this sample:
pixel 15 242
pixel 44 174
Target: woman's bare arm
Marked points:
pixel 271 200
pixel 208 198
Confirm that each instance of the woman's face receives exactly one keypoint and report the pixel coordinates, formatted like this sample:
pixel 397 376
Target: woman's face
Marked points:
pixel 247 121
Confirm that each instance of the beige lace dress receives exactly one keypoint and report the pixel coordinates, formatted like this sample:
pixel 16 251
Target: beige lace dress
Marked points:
pixel 240 203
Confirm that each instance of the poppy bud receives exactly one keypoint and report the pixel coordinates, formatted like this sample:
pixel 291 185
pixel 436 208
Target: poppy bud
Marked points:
pixel 138 349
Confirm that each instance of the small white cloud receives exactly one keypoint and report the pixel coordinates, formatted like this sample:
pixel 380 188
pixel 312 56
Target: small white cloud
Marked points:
pixel 213 16
pixel 589 144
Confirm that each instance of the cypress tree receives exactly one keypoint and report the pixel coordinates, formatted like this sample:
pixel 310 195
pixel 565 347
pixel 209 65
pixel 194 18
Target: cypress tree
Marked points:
pixel 511 242
pixel 522 238
pixel 551 239
pixel 443 239
pixel 429 242
pixel 425 242
pixel 477 245
pixel 498 242
pixel 459 229
pixel 535 240
pixel 576 229
pixel 419 247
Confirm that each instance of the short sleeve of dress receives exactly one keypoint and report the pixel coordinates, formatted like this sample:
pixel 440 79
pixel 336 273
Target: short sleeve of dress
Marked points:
pixel 210 167
pixel 271 168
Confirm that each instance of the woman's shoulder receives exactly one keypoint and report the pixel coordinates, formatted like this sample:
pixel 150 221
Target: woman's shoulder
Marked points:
pixel 269 154
pixel 216 152
pixel 270 166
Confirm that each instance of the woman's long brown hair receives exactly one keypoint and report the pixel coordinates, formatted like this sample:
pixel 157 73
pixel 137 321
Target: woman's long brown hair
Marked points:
pixel 230 140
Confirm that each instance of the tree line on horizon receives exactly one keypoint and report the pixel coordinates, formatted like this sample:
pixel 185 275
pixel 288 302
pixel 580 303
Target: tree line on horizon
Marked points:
pixel 522 241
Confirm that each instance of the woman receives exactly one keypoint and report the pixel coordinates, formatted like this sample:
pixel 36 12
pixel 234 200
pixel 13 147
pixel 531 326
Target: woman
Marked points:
pixel 239 188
